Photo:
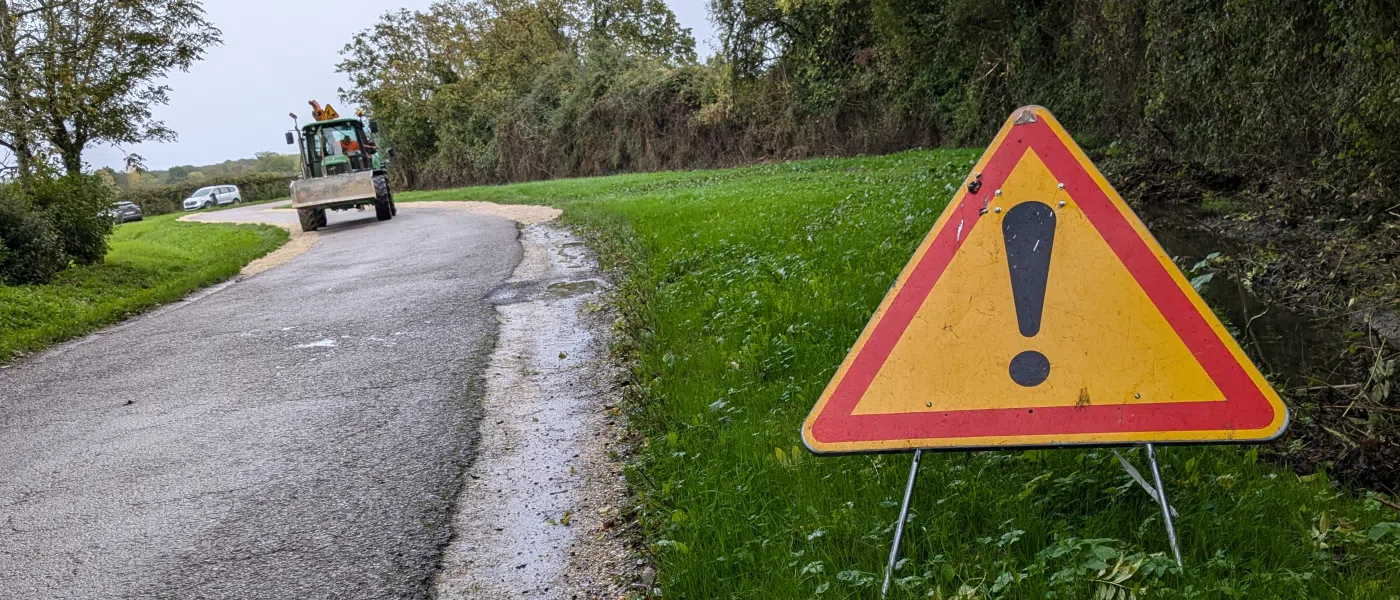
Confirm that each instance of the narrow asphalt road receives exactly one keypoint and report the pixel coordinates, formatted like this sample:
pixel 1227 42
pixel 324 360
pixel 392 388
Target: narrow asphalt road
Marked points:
pixel 298 434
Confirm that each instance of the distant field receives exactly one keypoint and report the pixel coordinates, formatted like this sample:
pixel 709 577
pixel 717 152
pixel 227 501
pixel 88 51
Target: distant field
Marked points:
pixel 150 262
pixel 741 291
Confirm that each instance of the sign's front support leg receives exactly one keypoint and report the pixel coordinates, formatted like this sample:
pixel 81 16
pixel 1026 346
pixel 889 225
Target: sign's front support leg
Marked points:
pixel 899 526
pixel 1161 499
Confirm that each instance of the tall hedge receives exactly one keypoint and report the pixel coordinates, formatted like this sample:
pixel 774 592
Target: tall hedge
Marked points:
pixel 1304 93
pixel 253 187
pixel 1271 90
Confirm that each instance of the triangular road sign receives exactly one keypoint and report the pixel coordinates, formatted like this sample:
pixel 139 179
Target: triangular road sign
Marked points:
pixel 1039 311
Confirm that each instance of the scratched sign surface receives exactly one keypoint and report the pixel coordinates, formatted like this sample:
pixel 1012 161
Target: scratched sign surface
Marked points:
pixel 1039 311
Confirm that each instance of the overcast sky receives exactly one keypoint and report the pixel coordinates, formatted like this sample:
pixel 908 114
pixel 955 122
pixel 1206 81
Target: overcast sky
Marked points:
pixel 234 103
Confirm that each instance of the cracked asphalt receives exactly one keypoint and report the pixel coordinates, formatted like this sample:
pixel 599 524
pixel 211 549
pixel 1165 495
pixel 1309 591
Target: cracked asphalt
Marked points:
pixel 297 434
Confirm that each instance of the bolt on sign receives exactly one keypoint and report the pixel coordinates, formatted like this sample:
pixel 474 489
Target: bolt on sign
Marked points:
pixel 1039 311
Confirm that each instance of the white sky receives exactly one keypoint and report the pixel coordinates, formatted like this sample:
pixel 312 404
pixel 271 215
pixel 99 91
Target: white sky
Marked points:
pixel 234 103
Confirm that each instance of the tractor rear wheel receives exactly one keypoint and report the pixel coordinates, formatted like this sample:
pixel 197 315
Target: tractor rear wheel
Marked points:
pixel 311 218
pixel 383 200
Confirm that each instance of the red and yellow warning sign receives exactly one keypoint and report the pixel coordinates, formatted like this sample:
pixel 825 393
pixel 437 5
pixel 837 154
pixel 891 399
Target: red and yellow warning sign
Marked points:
pixel 1039 311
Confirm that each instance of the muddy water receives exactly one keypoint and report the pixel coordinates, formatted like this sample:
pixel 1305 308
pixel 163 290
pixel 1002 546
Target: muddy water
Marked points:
pixel 1289 346
pixel 569 289
pixel 531 512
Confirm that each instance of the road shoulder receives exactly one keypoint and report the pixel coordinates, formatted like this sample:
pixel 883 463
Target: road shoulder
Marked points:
pixel 537 515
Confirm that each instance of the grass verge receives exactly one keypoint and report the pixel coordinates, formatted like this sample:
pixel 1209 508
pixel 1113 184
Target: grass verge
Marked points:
pixel 149 262
pixel 740 292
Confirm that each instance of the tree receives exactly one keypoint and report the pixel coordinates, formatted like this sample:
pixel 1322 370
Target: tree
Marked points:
pixel 645 28
pixel 272 162
pixel 178 173
pixel 108 177
pixel 443 83
pixel 18 39
pixel 751 34
pixel 96 64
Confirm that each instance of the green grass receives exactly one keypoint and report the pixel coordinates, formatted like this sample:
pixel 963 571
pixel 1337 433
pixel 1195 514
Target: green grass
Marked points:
pixel 740 292
pixel 150 262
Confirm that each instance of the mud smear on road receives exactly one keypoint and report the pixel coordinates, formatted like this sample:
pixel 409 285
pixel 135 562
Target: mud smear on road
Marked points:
pixel 537 511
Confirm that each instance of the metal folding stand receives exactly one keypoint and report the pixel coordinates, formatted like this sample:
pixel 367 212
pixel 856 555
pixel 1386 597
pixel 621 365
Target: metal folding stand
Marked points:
pixel 1162 500
pixel 899 525
pixel 1161 497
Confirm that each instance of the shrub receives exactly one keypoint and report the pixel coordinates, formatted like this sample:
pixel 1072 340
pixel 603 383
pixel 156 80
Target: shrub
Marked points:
pixel 33 247
pixel 254 187
pixel 76 206
pixel 55 223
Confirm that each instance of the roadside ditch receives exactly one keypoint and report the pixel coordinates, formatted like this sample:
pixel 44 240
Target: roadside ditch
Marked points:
pixel 1282 298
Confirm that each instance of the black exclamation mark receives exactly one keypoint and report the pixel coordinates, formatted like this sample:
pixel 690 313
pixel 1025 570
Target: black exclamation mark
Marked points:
pixel 1029 233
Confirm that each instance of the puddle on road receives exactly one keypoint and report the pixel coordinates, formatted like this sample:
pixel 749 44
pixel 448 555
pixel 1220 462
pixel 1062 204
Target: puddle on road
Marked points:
pixel 530 515
pixel 515 292
pixel 512 292
pixel 569 289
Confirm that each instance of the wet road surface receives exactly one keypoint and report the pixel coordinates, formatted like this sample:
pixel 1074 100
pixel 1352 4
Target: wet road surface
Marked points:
pixel 298 434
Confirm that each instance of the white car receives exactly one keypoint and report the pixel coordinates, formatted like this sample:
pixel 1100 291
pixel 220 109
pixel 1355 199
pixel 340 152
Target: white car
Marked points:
pixel 214 195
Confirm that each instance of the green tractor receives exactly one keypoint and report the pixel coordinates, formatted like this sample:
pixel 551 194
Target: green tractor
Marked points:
pixel 342 167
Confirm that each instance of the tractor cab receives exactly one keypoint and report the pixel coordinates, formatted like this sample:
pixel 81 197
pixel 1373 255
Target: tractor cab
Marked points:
pixel 336 147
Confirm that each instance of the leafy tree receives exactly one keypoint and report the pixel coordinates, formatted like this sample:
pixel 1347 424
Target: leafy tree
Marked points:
pixel 443 83
pixel 18 41
pixel 108 177
pixel 751 34
pixel 272 162
pixel 642 28
pixel 137 177
pixel 97 67
pixel 178 173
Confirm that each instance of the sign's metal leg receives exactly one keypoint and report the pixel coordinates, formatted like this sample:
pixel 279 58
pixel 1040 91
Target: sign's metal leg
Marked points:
pixel 899 526
pixel 1162 500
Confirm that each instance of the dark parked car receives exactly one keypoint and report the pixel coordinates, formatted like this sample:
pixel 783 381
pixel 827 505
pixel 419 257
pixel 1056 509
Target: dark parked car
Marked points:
pixel 124 211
